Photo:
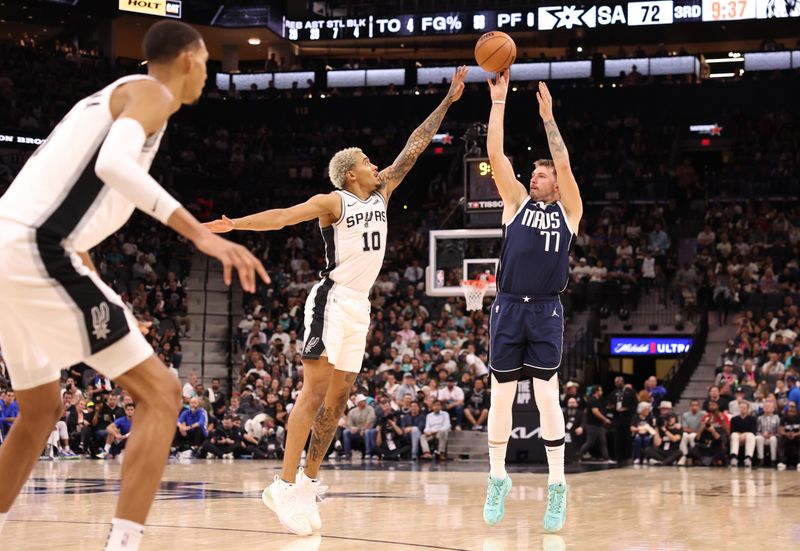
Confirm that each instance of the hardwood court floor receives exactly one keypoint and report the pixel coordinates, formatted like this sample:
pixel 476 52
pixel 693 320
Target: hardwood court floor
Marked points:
pixel 216 505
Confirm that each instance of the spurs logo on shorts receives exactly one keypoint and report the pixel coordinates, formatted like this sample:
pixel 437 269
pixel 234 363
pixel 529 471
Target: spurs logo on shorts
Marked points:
pixel 101 316
pixel 312 342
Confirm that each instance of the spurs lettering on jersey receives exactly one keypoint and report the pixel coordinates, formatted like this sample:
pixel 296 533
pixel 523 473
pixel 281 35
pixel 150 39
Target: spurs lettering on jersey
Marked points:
pixel 355 245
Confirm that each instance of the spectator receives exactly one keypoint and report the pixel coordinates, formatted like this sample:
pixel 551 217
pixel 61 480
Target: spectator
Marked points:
pixel 189 388
pixel 691 423
pixel 743 428
pixel 789 438
pixel 192 429
pixel 596 424
pixel 624 400
pixel 477 405
pixel 390 439
pixel 118 433
pixel 224 442
pixel 453 398
pixel 360 420
pixel 768 424
pixel 666 440
pixel 413 425
pixel 714 396
pixel 408 388
pixel 9 411
pixel 437 427
pixel 573 421
pixel 643 431
pixel 655 391
pixel 710 445
pixel 726 376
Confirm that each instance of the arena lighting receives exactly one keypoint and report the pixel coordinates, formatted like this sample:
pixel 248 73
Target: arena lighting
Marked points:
pixel 705 142
pixel 579 49
pixel 725 60
pixel 722 75
pixel 254 41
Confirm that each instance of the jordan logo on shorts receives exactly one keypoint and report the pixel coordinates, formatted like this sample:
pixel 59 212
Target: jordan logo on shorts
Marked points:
pixel 555 313
pixel 312 342
pixel 101 316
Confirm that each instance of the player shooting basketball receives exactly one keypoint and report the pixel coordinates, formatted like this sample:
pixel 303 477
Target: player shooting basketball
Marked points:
pixel 527 320
pixel 352 220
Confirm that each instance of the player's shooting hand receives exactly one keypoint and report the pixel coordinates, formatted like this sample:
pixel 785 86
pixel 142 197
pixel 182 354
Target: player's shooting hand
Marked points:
pixel 457 85
pixel 222 225
pixel 233 256
pixel 545 102
pixel 498 87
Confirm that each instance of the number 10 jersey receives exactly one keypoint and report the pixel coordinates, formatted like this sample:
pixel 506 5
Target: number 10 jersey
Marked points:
pixel 534 259
pixel 356 243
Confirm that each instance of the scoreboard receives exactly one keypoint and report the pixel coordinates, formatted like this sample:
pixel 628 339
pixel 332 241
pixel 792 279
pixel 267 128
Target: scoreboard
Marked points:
pixel 543 18
pixel 480 190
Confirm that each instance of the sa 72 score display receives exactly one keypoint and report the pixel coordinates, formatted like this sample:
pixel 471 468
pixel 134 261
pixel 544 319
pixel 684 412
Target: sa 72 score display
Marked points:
pixel 480 191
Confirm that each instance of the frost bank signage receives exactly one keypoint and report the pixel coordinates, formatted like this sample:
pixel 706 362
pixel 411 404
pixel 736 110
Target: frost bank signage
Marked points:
pixel 656 346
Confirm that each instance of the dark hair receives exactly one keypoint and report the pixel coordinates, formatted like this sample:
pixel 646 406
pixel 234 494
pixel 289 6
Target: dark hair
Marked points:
pixel 167 39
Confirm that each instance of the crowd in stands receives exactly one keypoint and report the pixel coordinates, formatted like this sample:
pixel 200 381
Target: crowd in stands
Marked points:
pixel 424 372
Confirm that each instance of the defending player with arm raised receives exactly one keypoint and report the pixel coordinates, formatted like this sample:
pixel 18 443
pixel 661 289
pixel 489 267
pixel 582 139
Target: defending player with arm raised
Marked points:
pixel 353 224
pixel 526 325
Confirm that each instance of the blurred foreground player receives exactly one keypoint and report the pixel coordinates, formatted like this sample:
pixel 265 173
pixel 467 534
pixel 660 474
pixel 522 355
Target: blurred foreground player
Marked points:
pixel 526 324
pixel 78 188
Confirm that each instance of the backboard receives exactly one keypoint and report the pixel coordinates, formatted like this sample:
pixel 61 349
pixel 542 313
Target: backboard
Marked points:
pixel 461 254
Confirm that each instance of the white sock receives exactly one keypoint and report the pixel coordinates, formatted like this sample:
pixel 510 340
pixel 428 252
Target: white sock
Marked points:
pixel 497 460
pixel 552 426
pixel 2 520
pixel 499 425
pixel 125 535
pixel 555 461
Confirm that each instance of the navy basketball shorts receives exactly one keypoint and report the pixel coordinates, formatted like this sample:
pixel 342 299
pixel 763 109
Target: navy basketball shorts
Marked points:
pixel 526 337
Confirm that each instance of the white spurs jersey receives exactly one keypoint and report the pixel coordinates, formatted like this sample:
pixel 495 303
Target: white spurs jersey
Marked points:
pixel 57 190
pixel 356 243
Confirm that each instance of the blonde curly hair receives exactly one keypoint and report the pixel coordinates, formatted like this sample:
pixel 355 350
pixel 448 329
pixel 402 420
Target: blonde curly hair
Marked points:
pixel 340 163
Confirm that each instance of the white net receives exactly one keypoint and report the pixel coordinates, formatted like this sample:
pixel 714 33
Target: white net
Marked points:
pixel 474 291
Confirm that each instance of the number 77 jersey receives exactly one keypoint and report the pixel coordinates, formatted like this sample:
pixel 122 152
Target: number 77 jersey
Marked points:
pixel 534 259
pixel 356 243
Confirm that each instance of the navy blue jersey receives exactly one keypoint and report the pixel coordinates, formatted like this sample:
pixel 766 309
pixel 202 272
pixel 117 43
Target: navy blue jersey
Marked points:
pixel 534 259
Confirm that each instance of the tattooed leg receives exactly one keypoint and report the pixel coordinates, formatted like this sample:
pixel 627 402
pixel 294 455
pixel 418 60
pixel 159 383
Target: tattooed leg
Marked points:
pixel 327 419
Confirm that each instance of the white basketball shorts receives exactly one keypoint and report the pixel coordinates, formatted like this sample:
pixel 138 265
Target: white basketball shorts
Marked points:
pixel 55 312
pixel 336 325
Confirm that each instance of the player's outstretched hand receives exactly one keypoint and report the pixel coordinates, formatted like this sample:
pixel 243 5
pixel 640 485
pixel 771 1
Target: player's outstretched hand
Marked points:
pixel 457 86
pixel 223 225
pixel 498 87
pixel 545 102
pixel 233 256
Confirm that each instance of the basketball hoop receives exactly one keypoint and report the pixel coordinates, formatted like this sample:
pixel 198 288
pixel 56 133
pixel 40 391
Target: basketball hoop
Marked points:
pixel 474 291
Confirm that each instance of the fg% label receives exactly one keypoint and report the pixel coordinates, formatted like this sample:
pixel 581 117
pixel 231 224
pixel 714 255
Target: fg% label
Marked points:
pixel 441 23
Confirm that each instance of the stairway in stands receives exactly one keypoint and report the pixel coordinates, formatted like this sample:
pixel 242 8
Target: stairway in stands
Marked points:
pixel 703 377
pixel 208 307
pixel 467 444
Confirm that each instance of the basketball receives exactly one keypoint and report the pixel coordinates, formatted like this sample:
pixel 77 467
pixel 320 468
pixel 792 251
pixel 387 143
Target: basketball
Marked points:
pixel 495 52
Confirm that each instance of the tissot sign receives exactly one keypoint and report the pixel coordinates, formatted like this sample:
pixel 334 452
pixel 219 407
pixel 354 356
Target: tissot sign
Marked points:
pixel 655 346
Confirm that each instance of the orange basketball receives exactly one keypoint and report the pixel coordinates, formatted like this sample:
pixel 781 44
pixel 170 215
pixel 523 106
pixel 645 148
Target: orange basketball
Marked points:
pixel 495 52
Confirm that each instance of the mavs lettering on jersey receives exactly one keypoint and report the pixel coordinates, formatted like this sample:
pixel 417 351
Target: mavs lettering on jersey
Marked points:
pixel 534 259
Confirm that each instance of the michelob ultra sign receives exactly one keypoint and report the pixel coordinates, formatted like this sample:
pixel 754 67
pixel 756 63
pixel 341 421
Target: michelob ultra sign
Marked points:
pixel 653 346
pixel 163 8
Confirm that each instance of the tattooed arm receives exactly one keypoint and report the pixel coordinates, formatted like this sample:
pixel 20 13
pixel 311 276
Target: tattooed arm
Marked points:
pixel 567 186
pixel 391 176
